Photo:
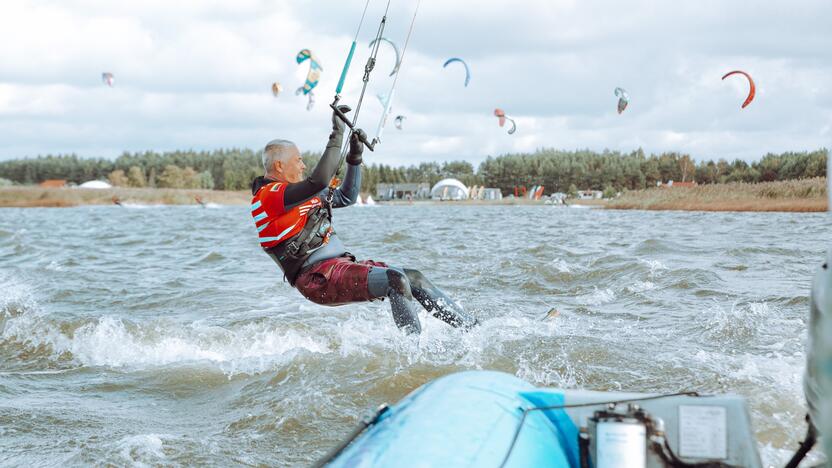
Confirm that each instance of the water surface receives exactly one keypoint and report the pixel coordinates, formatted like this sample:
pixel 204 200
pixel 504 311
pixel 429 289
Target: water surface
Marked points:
pixel 164 335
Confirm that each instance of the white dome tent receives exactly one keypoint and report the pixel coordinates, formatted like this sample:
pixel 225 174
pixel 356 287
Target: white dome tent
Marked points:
pixel 95 184
pixel 449 189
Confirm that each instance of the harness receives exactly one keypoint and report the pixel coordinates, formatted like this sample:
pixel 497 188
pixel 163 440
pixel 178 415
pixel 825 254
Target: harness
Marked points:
pixel 293 253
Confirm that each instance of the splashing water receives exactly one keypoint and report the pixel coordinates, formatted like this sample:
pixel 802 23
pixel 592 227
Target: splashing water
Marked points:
pixel 166 336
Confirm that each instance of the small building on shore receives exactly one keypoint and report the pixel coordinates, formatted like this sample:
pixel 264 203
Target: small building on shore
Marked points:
pixel 402 191
pixel 590 195
pixel 53 183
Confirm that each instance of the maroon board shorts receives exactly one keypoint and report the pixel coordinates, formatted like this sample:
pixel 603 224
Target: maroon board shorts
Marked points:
pixel 337 281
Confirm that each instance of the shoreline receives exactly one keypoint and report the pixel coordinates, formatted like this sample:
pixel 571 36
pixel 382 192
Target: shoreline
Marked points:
pixel 39 197
pixel 807 195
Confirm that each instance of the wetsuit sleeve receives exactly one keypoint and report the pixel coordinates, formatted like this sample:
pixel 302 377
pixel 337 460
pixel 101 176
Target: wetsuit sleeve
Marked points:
pixel 300 192
pixel 347 193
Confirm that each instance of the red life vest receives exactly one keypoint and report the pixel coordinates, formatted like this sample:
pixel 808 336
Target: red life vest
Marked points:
pixel 274 223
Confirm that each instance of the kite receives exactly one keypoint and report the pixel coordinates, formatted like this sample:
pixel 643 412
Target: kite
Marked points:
pixel 467 70
pixel 395 49
pixel 398 121
pixel 312 77
pixel 751 92
pixel 499 113
pixel 107 78
pixel 623 99
pixel 277 88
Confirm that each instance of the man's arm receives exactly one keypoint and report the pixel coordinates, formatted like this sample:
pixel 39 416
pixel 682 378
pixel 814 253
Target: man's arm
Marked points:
pixel 299 192
pixel 347 193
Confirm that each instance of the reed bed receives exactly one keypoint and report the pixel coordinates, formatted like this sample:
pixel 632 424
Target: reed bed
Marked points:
pixel 802 195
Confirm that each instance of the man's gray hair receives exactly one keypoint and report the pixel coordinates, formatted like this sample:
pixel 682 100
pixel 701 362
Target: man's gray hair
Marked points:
pixel 277 150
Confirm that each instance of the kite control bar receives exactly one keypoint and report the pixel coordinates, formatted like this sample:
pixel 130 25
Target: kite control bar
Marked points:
pixel 369 144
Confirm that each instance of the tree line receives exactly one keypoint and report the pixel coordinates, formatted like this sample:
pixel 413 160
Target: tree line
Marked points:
pixel 557 170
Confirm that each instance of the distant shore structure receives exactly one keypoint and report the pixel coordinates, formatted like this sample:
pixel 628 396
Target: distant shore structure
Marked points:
pixel 480 192
pixel 449 189
pixel 95 184
pixel 53 183
pixel 401 191
pixel 590 195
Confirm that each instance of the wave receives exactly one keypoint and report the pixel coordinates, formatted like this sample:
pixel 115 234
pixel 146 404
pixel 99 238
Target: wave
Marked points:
pixel 641 286
pixel 139 448
pixel 16 299
pixel 598 297
pixel 114 342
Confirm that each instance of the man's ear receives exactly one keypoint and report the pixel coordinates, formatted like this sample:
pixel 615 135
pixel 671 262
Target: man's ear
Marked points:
pixel 277 167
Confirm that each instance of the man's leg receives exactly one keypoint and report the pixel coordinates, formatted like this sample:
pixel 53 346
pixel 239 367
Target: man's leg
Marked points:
pixel 393 284
pixel 437 302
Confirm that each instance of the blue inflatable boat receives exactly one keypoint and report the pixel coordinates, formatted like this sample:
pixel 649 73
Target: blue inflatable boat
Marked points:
pixel 493 419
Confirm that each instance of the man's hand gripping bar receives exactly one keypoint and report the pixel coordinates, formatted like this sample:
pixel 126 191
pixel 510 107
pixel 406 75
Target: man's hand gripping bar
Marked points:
pixel 334 106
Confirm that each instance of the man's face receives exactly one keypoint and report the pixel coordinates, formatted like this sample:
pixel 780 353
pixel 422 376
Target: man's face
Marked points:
pixel 292 170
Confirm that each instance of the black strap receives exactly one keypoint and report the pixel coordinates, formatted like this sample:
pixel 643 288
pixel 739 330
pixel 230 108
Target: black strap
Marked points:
pixel 293 253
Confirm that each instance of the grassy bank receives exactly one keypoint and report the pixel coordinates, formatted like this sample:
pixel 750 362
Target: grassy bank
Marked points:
pixel 794 195
pixel 797 195
pixel 64 197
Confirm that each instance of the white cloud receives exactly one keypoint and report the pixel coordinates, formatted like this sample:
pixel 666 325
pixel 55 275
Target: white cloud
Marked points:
pixel 196 74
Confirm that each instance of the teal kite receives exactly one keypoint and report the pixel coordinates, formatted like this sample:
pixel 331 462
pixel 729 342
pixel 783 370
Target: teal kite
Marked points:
pixel 467 70
pixel 312 77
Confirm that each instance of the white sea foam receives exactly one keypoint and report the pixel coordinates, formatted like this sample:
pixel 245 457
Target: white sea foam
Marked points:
pixel 365 334
pixel 110 341
pixel 562 265
pixel 54 266
pixel 15 298
pixel 143 449
pixel 641 286
pixel 780 373
pixel 600 296
pixel 737 322
pixel 654 265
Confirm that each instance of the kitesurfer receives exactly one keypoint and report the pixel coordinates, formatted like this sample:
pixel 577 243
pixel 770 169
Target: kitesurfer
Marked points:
pixel 293 217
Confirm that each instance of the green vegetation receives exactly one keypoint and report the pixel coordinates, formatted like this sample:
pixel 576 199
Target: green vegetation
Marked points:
pixel 222 169
pixel 558 171
pixel 565 171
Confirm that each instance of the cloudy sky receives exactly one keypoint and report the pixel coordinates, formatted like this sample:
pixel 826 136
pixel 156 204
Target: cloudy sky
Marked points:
pixel 197 74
